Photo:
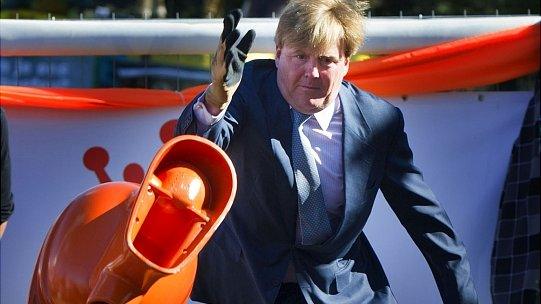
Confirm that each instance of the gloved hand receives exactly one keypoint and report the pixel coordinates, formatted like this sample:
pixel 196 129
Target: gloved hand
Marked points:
pixel 228 62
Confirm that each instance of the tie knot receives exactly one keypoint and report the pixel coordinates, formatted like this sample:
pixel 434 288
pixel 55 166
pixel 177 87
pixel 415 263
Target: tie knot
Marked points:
pixel 299 118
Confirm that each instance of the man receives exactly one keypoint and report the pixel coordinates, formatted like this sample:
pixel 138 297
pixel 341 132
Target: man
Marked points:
pixel 311 152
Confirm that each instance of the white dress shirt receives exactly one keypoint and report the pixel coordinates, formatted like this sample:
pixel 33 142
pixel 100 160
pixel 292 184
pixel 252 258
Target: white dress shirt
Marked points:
pixel 324 132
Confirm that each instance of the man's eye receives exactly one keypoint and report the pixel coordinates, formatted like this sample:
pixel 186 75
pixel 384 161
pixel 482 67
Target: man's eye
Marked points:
pixel 327 60
pixel 300 56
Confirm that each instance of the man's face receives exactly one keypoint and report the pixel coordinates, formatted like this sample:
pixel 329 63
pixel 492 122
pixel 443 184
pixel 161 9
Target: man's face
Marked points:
pixel 307 80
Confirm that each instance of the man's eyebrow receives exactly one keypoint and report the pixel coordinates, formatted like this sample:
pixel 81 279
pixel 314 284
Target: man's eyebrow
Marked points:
pixel 331 57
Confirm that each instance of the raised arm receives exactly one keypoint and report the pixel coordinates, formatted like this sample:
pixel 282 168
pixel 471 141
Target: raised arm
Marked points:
pixel 227 64
pixel 209 114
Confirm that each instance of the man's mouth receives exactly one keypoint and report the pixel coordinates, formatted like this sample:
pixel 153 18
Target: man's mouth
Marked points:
pixel 309 87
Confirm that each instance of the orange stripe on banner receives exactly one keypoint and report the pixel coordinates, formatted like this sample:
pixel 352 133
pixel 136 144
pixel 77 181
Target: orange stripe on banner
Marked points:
pixel 459 64
pixel 190 93
pixel 464 63
pixel 118 98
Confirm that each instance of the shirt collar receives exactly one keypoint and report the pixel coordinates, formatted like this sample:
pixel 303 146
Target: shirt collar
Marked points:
pixel 324 116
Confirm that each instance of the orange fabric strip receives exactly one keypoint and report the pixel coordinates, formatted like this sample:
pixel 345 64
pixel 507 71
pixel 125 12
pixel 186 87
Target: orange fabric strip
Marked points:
pixel 67 98
pixel 464 63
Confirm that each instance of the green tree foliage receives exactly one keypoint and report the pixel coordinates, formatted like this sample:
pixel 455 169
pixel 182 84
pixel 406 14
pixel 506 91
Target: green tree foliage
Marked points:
pixel 265 8
pixel 202 9
pixel 452 7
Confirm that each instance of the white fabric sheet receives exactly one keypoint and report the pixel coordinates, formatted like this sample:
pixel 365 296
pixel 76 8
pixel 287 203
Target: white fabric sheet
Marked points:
pixel 461 144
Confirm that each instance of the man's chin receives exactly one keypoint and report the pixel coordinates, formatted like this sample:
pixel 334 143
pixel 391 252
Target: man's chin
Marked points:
pixel 318 104
pixel 312 107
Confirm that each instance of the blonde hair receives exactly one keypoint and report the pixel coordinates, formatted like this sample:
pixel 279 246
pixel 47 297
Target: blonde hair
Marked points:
pixel 322 23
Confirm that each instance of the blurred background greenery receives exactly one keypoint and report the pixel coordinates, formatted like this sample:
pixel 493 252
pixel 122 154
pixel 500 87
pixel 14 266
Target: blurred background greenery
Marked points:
pixel 253 8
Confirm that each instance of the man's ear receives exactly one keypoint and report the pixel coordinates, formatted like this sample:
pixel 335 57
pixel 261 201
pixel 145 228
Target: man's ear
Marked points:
pixel 346 66
pixel 277 55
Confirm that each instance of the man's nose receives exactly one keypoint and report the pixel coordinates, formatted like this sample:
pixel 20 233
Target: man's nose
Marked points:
pixel 311 70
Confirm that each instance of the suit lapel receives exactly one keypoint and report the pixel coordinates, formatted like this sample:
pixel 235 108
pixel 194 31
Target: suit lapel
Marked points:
pixel 358 156
pixel 277 113
pixel 278 120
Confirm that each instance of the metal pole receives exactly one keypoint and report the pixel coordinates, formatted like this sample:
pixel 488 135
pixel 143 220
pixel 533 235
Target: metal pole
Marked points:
pixel 17 60
pixel 113 16
pixel 145 58
pixel 81 61
pixel 49 64
pixel 49 60
pixel 178 73
pixel 17 70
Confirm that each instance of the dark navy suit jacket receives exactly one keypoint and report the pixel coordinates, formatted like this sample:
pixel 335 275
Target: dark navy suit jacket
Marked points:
pixel 247 258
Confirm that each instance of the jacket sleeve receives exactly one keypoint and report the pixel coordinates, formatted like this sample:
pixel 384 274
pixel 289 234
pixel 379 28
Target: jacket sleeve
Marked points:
pixel 222 132
pixel 425 220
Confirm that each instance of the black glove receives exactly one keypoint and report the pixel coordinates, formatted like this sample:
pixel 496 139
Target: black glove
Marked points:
pixel 228 62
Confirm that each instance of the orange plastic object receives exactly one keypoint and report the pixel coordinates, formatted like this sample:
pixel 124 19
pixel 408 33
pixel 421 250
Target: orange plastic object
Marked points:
pixel 124 243
pixel 182 196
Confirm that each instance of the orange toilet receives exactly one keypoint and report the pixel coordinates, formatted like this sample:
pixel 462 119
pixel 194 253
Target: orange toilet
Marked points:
pixel 121 242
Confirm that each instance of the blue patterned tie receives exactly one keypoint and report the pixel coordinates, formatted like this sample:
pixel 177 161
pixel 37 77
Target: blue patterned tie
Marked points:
pixel 313 224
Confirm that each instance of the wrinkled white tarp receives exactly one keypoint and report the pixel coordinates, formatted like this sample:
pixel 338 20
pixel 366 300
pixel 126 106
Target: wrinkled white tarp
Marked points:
pixel 196 36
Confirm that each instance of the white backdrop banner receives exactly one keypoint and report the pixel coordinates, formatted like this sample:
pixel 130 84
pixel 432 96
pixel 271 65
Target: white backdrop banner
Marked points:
pixel 461 141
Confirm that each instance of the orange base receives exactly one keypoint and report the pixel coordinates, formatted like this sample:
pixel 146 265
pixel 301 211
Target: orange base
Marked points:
pixel 124 243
